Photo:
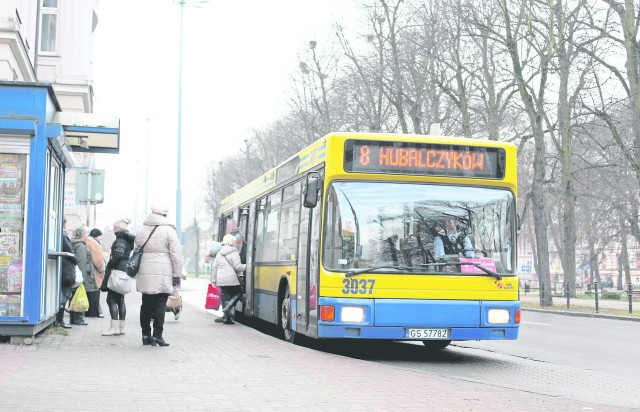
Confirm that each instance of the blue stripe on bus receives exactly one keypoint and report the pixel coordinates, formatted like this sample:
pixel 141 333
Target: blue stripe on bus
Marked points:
pixel 388 318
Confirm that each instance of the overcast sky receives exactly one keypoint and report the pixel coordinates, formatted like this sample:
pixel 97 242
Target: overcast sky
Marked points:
pixel 238 60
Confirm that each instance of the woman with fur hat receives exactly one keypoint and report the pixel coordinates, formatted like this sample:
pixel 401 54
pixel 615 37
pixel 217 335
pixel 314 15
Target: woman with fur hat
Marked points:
pixel 120 253
pixel 160 263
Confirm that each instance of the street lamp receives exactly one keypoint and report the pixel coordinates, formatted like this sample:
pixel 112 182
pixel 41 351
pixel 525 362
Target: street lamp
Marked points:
pixel 178 187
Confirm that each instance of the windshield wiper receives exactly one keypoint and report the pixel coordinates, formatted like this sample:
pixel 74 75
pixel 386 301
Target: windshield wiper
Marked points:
pixel 489 272
pixel 356 272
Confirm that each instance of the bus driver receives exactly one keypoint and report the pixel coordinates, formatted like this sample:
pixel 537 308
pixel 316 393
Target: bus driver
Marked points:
pixel 452 242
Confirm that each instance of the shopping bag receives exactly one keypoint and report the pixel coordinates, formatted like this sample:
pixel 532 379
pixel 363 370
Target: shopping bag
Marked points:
pixel 79 278
pixel 175 300
pixel 213 297
pixel 79 302
pixel 119 281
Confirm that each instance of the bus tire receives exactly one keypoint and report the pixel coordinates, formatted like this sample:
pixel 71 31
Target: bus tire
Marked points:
pixel 436 344
pixel 288 334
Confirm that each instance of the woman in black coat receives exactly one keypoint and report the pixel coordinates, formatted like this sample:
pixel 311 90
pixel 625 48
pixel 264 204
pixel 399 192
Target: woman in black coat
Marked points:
pixel 67 278
pixel 120 253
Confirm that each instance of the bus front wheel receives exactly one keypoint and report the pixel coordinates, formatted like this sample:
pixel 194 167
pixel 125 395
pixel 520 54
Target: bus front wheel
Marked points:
pixel 436 344
pixel 285 317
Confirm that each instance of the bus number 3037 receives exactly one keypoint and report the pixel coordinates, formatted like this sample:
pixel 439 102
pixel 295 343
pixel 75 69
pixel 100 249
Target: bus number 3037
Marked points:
pixel 358 286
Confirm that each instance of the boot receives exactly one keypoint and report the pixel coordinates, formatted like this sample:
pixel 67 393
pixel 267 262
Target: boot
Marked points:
pixel 146 340
pixel 158 341
pixel 227 319
pixel 122 326
pixel 231 304
pixel 114 330
pixel 60 319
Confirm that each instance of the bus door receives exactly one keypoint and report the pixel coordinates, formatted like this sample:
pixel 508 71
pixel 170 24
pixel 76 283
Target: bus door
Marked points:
pixel 308 258
pixel 246 226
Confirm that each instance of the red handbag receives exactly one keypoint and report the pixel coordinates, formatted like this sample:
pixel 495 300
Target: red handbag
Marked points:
pixel 213 297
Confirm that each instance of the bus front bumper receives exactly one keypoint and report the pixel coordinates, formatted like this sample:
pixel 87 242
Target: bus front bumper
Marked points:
pixel 398 319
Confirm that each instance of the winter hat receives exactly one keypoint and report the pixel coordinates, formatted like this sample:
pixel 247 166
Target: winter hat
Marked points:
pixel 160 210
pixel 95 233
pixel 121 223
pixel 215 248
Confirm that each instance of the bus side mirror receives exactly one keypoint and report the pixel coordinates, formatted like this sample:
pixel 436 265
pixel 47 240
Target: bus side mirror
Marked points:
pixel 311 189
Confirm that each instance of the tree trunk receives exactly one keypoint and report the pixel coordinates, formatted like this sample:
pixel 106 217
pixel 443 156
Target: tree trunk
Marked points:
pixel 534 112
pixel 566 154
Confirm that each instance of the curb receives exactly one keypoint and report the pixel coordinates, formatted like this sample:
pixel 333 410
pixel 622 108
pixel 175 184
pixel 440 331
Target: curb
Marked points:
pixel 583 314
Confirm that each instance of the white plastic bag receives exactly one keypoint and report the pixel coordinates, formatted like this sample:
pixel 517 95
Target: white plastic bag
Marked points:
pixel 79 278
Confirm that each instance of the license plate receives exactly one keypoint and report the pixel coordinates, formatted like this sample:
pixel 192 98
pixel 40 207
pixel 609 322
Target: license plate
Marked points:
pixel 427 333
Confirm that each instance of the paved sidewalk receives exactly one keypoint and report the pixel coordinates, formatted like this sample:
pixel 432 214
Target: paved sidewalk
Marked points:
pixel 213 367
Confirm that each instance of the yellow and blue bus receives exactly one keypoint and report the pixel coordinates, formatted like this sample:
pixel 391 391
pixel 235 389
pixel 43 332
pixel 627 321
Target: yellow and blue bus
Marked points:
pixel 383 236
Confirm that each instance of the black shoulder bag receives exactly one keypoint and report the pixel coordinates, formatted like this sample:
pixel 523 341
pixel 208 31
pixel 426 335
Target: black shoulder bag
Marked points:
pixel 133 264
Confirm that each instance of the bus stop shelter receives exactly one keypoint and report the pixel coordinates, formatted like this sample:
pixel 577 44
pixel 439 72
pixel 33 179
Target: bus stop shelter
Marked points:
pixel 37 146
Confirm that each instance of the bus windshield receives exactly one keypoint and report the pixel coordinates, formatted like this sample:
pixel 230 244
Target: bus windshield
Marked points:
pixel 421 228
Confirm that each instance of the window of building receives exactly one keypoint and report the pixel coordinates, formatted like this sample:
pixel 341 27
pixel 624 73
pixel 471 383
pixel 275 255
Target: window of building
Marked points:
pixel 48 26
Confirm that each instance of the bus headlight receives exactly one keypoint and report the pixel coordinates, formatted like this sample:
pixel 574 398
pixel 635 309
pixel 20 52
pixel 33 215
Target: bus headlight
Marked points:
pixel 353 314
pixel 498 315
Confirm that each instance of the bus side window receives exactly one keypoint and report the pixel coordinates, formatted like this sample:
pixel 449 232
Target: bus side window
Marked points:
pixel 270 239
pixel 288 230
pixel 259 230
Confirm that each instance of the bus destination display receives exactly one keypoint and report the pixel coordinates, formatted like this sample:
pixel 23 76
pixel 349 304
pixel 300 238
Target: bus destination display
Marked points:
pixel 368 156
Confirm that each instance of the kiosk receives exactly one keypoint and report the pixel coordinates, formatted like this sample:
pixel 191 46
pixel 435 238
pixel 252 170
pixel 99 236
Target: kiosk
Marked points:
pixel 37 144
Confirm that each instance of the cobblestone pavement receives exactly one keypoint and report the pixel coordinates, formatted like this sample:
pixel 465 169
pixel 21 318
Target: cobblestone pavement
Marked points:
pixel 211 366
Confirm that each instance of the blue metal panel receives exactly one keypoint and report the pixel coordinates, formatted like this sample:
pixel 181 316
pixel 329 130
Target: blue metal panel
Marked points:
pixel 36 253
pixel 427 313
pixel 18 127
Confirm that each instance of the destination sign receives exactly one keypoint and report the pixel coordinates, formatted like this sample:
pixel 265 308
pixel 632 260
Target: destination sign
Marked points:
pixel 368 156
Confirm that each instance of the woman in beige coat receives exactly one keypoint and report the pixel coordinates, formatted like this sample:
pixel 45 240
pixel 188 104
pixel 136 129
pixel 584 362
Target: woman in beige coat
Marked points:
pixel 161 262
pixel 97 259
pixel 224 273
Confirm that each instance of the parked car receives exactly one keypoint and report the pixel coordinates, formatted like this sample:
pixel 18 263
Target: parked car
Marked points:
pixel 606 282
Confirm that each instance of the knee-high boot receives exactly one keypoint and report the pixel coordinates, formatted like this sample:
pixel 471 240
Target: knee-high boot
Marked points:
pixel 60 319
pixel 230 305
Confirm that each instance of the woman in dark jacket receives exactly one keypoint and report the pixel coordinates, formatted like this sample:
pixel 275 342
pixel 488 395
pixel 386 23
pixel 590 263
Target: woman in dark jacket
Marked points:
pixel 67 278
pixel 120 253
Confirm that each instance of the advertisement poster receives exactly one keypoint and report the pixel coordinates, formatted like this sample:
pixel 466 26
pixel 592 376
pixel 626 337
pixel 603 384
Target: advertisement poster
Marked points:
pixel 9 170
pixel 9 244
pixel 13 305
pixel 4 279
pixel 12 182
pixel 10 189
pixel 3 305
pixel 14 275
